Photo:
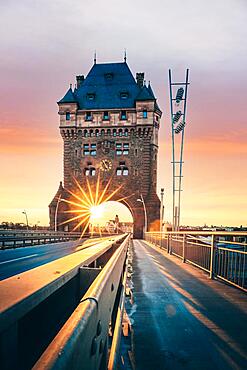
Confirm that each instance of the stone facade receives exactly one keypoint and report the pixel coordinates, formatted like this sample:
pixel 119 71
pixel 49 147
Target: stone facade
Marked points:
pixel 120 144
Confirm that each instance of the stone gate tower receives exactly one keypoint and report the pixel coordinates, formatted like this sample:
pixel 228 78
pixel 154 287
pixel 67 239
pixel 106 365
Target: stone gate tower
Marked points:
pixel 109 124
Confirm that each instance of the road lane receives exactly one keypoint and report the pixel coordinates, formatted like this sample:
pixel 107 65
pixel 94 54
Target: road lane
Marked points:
pixel 15 261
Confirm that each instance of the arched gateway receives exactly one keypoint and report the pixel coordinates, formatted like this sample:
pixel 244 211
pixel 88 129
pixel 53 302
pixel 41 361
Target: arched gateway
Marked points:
pixel 109 124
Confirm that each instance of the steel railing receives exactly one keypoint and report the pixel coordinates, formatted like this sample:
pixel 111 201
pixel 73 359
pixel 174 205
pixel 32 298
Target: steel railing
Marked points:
pixel 58 315
pixel 221 254
pixel 19 238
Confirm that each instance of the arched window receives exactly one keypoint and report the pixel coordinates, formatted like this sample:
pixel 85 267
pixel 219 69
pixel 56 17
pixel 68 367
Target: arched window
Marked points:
pixel 91 132
pixel 102 132
pixel 97 132
pixel 92 171
pixel 114 132
pixel 79 132
pixel 87 171
pixel 126 132
pixel 120 132
pixel 85 133
pixel 108 132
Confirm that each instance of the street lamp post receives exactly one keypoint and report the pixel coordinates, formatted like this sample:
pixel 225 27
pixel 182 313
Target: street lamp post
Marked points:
pixel 25 213
pixel 162 209
pixel 145 212
pixel 56 212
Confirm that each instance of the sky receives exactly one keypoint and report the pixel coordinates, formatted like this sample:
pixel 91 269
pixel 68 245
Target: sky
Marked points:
pixel 45 44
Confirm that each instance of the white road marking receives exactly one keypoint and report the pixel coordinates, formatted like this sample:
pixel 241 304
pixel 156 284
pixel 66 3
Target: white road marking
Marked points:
pixel 20 258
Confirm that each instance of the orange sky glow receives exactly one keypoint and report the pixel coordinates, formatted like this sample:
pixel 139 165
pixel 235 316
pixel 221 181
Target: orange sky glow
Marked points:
pixel 41 59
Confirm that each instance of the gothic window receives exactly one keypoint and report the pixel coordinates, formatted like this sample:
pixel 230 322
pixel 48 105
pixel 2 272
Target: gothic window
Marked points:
pixel 114 132
pixel 96 132
pixel 91 133
pixel 123 115
pixel 85 133
pixel 67 116
pixel 120 132
pixel 102 132
pixel 145 113
pixel 108 132
pixel 126 132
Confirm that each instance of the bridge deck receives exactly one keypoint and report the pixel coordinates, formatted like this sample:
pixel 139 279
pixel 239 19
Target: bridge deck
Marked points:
pixel 182 319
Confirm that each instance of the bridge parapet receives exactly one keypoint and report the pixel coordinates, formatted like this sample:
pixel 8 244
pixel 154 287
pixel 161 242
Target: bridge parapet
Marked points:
pixel 222 254
pixel 72 299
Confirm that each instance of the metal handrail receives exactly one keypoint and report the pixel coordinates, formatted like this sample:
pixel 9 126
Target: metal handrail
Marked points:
pixel 222 261
pixel 27 298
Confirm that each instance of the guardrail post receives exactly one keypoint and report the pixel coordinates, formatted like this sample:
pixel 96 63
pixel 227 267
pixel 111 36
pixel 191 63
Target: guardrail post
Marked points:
pixel 170 244
pixel 184 248
pixel 212 257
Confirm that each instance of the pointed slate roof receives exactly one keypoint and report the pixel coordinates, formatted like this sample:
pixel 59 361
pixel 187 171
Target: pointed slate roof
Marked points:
pixel 145 94
pixel 57 195
pixel 108 86
pixel 69 97
pixel 150 90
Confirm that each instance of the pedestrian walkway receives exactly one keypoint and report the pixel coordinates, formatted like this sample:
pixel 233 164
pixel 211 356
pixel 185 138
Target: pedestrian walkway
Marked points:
pixel 181 319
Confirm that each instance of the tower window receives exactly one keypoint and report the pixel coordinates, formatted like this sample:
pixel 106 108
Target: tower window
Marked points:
pixel 108 76
pixel 90 96
pixel 86 146
pixel 122 171
pixel 93 146
pixel 88 116
pixel 92 172
pixel 86 152
pixel 119 171
pixel 93 152
pixel 87 171
pixel 124 95
pixel 106 115
pixel 67 116
pixel 122 148
pixel 145 113
pixel 123 114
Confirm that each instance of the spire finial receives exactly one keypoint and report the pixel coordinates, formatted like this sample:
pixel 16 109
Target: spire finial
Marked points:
pixel 95 57
pixel 125 55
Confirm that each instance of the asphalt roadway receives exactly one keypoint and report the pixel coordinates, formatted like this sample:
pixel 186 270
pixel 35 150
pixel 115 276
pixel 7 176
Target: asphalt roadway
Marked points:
pixel 181 319
pixel 15 261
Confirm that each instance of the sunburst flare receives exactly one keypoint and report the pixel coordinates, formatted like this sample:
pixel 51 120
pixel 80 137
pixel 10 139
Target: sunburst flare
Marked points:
pixel 85 204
